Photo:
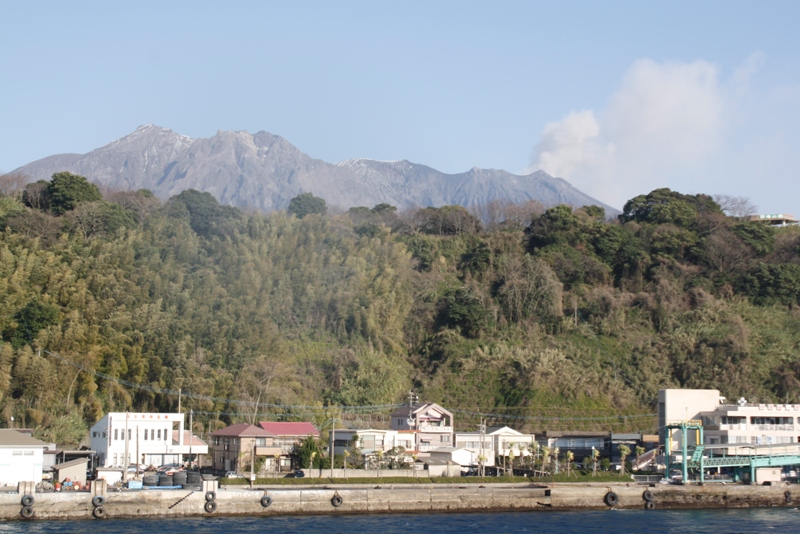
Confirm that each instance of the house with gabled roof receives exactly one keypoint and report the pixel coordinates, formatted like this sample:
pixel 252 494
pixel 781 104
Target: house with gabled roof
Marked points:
pixel 235 446
pixel 431 424
pixel 286 435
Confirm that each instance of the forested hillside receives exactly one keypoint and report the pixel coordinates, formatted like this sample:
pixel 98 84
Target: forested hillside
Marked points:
pixel 553 319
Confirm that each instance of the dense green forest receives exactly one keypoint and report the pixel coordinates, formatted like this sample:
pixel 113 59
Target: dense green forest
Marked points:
pixel 554 318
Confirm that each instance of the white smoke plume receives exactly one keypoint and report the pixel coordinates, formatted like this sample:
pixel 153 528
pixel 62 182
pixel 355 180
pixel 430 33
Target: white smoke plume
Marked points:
pixel 664 122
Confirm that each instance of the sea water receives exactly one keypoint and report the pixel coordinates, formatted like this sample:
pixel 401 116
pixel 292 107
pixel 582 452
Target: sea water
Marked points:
pixel 750 521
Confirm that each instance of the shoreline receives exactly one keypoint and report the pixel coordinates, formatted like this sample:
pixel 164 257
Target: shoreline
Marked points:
pixel 388 499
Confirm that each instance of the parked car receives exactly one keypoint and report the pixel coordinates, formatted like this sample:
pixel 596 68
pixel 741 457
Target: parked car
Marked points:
pixel 299 473
pixel 233 474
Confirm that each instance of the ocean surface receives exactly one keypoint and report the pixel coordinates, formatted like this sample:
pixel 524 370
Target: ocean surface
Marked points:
pixel 748 521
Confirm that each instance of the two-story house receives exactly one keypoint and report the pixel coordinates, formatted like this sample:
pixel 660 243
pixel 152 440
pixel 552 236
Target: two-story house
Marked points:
pixel 286 435
pixel 124 438
pixel 233 448
pixel 431 425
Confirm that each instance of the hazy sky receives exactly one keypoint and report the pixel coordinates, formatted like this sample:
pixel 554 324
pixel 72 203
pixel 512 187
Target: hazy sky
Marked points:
pixel 618 98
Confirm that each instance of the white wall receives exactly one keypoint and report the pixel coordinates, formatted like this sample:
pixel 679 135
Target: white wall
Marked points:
pixel 21 464
pixel 150 436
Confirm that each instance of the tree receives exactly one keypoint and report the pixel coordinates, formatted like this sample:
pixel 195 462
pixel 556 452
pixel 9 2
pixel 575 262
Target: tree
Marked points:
pixel 35 316
pixel 206 216
pixel 36 195
pixel 307 204
pixel 447 220
pixel 736 207
pixel 308 450
pixel 569 457
pixel 595 457
pixel 67 190
pixel 99 218
pixel 464 309
pixel 13 185
pixel 624 452
pixel 663 206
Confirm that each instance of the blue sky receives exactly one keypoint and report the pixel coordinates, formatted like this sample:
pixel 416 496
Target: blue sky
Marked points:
pixel 619 98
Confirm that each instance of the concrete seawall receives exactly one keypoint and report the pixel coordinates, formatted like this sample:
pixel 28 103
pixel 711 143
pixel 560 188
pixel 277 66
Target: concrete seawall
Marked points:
pixel 394 499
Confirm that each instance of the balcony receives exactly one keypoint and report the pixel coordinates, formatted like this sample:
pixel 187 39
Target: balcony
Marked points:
pixel 268 451
pixel 427 427
pixel 772 427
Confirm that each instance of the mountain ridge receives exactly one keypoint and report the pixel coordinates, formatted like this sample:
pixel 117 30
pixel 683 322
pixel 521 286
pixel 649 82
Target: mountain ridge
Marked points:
pixel 265 171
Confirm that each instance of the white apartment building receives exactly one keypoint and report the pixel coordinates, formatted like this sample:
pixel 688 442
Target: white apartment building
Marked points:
pixel 124 438
pixel 740 423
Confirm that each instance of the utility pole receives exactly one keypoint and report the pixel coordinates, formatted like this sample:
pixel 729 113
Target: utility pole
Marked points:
pixel 482 460
pixel 125 462
pixel 252 463
pixel 412 398
pixel 333 446
pixel 191 437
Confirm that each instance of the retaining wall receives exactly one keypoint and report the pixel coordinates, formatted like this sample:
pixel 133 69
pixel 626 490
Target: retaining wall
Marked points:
pixel 388 499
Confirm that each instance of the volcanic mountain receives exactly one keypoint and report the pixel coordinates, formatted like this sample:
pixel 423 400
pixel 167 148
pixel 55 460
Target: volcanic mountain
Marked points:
pixel 265 171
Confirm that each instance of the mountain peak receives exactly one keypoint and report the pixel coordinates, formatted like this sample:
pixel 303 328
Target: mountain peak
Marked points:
pixel 265 171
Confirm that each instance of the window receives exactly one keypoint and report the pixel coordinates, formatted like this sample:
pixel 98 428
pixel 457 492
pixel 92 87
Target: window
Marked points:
pixel 445 439
pixel 145 434
pixel 261 442
pixel 94 434
pixel 104 434
pixel 129 434
pixel 116 438
pixel 159 434
pixel 153 434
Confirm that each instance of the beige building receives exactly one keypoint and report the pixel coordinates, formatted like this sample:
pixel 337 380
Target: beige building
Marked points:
pixel 741 423
pixel 232 448
pixel 431 425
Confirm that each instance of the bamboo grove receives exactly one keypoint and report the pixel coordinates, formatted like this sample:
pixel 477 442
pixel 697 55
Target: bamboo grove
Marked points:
pixel 556 318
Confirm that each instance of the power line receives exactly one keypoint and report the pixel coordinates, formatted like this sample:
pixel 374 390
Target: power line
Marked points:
pixel 304 409
pixel 172 392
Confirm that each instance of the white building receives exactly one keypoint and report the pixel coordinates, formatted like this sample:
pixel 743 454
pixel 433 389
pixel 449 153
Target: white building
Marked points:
pixel 471 441
pixel 124 438
pixel 742 424
pixel 507 440
pixel 21 458
pixel 372 440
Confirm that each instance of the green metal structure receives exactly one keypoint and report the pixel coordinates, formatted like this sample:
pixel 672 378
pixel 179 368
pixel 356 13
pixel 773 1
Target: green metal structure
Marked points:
pixel 695 458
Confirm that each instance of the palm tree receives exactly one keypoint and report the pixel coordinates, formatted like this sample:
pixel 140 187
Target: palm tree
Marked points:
pixel 545 457
pixel 569 457
pixel 624 452
pixel 510 449
pixel 555 458
pixel 379 457
pixel 481 462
